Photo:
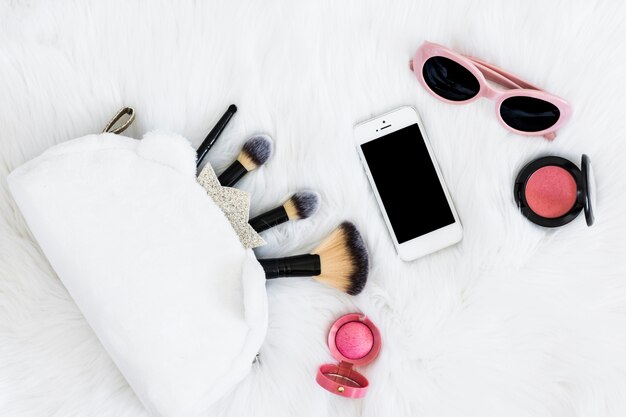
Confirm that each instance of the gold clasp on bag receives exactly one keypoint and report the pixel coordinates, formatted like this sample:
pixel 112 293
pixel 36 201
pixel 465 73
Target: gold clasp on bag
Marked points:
pixel 129 112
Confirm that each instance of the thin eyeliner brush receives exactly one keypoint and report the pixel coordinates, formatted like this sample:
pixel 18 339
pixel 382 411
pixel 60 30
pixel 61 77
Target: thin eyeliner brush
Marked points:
pixel 215 133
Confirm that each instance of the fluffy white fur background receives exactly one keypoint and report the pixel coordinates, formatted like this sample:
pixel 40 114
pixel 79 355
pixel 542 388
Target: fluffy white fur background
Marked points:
pixel 514 321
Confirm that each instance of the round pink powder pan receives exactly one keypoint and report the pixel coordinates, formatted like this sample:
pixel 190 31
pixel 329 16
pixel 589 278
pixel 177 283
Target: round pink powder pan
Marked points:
pixel 551 191
pixel 353 340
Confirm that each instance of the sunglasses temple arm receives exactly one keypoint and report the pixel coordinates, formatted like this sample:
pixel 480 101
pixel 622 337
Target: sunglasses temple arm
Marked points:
pixel 497 75
pixel 500 76
pixel 550 136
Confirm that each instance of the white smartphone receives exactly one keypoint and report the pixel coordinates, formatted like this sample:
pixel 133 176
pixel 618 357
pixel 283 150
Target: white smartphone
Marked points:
pixel 408 184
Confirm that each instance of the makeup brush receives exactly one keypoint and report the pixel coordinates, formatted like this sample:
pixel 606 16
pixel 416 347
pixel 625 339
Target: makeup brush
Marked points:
pixel 215 133
pixel 340 261
pixel 255 152
pixel 301 205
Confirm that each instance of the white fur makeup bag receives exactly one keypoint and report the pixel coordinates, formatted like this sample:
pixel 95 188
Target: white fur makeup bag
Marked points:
pixel 152 262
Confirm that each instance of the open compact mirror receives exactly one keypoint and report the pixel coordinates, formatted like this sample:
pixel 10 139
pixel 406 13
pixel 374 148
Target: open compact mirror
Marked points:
pixel 353 340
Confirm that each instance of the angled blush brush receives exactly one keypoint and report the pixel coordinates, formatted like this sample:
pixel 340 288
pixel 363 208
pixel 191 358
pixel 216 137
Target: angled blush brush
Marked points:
pixel 301 205
pixel 255 152
pixel 340 261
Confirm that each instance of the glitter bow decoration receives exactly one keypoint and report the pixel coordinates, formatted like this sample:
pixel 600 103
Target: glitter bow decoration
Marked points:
pixel 234 203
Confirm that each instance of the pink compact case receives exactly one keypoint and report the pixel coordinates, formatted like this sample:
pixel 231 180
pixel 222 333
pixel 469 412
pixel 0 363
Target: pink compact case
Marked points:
pixel 353 340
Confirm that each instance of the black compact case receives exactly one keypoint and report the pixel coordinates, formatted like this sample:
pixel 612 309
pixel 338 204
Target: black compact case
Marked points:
pixel 585 190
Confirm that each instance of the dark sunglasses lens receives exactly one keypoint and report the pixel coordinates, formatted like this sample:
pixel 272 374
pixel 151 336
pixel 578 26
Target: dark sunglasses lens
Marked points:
pixel 529 114
pixel 449 79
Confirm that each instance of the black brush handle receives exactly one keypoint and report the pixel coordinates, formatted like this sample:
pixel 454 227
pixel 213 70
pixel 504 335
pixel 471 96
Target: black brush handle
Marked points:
pixel 292 266
pixel 267 220
pixel 233 173
pixel 215 133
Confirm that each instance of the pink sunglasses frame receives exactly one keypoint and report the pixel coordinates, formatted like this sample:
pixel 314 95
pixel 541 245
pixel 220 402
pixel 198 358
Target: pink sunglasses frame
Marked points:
pixel 484 71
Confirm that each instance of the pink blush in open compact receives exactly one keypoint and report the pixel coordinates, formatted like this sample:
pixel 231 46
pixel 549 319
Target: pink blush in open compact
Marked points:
pixel 551 191
pixel 354 340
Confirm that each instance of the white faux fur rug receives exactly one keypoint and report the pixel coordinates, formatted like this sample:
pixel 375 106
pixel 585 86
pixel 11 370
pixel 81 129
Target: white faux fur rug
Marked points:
pixel 514 321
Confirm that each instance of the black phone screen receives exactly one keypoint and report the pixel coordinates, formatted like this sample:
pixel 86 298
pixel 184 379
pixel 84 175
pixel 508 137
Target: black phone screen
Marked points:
pixel 407 183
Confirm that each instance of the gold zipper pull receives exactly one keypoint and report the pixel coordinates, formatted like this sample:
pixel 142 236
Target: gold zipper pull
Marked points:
pixel 129 112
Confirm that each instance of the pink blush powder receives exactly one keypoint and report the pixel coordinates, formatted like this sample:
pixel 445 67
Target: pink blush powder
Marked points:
pixel 551 192
pixel 354 340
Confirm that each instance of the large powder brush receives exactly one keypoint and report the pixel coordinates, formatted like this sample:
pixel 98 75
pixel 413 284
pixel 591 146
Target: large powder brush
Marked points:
pixel 340 261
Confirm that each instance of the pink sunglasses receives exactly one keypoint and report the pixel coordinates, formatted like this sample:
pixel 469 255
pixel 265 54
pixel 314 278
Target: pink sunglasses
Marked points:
pixel 458 79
